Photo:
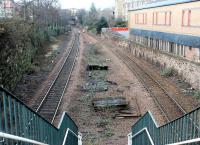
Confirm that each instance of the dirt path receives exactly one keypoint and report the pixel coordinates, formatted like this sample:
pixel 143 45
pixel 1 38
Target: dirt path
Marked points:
pixel 102 127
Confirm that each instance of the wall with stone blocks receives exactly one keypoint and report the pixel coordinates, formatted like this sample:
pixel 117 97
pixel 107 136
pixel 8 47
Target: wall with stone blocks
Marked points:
pixel 190 71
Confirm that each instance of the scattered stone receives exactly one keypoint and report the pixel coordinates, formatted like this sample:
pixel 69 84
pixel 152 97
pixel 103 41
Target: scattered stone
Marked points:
pixel 112 83
pixel 116 117
pixel 127 115
pixel 110 102
pixel 96 87
pixel 128 87
pixel 125 111
pixel 108 59
pixel 120 90
pixel 90 74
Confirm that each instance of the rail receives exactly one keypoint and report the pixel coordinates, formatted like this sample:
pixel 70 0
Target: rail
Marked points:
pixel 67 65
pixel 177 132
pixel 41 103
pixel 132 65
pixel 17 119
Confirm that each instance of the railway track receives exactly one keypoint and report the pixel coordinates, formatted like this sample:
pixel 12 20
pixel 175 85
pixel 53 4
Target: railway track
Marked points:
pixel 49 105
pixel 169 107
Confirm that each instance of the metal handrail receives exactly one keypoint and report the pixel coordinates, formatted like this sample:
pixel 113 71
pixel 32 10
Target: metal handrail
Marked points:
pixel 147 132
pixel 19 120
pixel 79 136
pixel 186 142
pixel 18 138
pixel 179 130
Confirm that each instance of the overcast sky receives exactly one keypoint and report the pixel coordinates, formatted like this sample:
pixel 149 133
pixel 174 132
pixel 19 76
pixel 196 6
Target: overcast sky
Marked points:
pixel 86 3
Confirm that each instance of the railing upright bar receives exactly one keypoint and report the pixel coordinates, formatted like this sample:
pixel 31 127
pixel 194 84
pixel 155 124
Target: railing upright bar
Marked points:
pixel 20 119
pixel 28 124
pixel 198 123
pixel 10 114
pixel 37 128
pixel 15 118
pixel 5 112
pixel 1 111
pixel 185 128
pixel 31 128
pixel 194 124
pixel 24 121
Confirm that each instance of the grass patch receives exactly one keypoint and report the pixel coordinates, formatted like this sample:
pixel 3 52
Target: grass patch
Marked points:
pixel 109 132
pixel 33 69
pixel 197 94
pixel 167 72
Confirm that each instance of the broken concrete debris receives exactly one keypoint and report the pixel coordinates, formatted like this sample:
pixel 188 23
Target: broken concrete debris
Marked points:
pixel 109 102
pixel 91 67
pixel 111 82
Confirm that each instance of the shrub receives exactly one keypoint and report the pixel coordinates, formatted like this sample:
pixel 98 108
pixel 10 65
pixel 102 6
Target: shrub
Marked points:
pixel 167 72
pixel 33 69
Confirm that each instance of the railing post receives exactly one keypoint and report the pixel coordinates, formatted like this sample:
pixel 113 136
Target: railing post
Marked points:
pixel 80 139
pixel 130 139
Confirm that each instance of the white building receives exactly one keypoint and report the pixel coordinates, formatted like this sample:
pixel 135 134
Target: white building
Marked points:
pixel 123 6
pixel 119 9
pixel 8 8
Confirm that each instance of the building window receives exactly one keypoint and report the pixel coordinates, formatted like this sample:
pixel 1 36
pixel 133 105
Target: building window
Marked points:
pixel 186 17
pixel 189 17
pixel 141 18
pixel 162 18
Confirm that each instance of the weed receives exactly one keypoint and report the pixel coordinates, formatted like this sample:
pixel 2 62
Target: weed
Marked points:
pixel 89 142
pixel 109 132
pixel 167 72
pixel 33 69
pixel 102 123
pixel 197 94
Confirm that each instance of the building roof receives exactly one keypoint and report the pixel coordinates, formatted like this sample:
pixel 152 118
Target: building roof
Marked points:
pixel 162 3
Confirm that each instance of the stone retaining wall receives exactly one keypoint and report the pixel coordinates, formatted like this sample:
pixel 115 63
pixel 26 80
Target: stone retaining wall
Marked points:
pixel 189 71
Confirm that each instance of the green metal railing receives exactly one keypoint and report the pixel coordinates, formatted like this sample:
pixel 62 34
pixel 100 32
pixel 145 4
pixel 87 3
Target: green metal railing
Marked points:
pixel 18 119
pixel 181 129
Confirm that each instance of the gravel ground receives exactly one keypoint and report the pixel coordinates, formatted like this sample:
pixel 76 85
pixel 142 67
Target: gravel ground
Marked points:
pixel 99 127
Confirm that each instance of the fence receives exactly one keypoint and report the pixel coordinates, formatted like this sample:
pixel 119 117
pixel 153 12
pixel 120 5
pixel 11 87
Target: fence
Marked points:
pixel 20 121
pixel 146 131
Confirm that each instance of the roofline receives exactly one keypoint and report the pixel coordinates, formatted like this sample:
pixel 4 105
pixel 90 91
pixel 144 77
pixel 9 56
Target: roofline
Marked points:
pixel 164 5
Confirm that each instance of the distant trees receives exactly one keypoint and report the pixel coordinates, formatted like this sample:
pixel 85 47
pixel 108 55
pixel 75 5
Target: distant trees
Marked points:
pixel 96 19
pixel 109 16
pixel 43 12
pixel 102 23
pixel 93 16
pixel 81 14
